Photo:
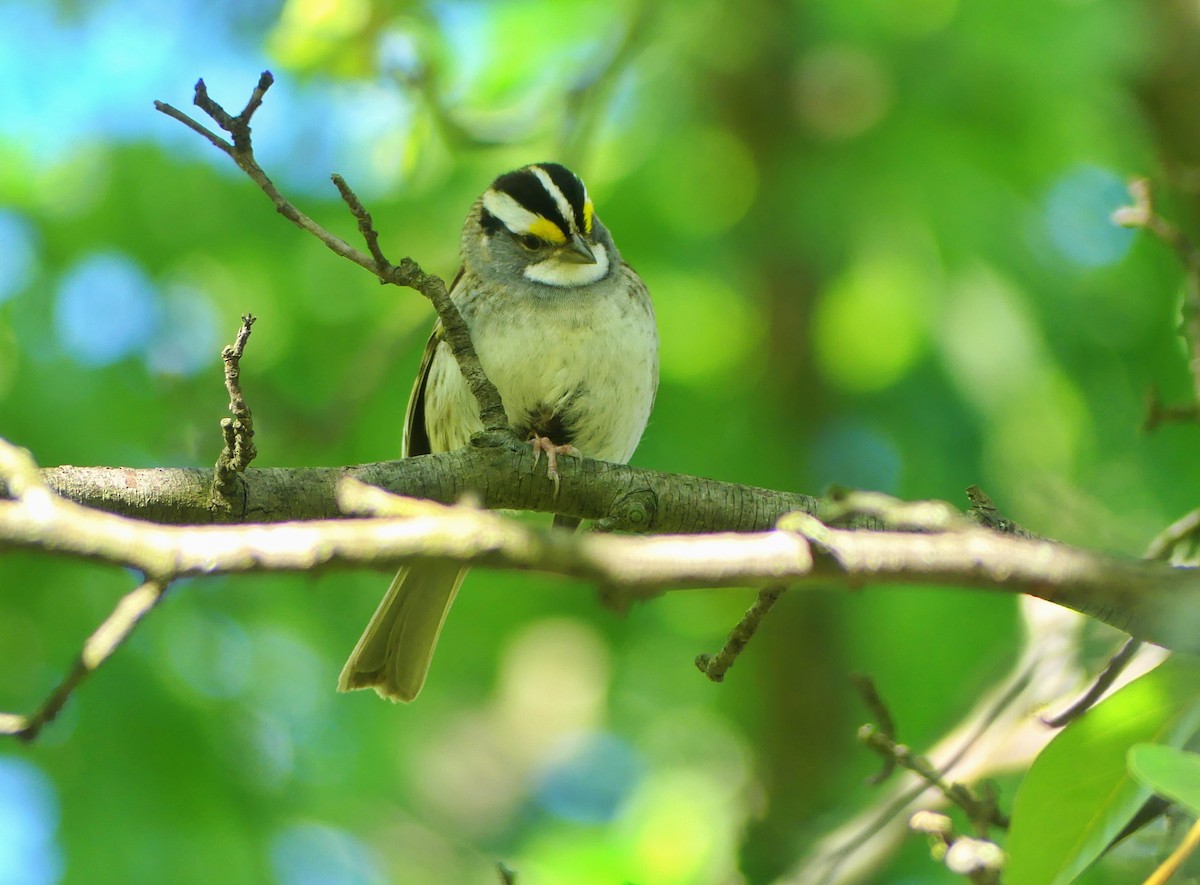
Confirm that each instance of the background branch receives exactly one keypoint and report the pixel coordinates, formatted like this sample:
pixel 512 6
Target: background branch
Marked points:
pixel 97 649
pixel 1142 214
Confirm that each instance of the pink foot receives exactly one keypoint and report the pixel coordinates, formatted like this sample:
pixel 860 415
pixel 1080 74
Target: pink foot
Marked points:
pixel 545 444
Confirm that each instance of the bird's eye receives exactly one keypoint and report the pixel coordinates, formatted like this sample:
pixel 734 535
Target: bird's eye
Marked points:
pixel 529 241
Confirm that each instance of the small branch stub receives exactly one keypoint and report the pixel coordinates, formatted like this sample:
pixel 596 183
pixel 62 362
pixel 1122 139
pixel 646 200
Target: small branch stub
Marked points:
pixel 238 431
pixel 886 723
pixel 1142 214
pixel 715 666
pixel 981 810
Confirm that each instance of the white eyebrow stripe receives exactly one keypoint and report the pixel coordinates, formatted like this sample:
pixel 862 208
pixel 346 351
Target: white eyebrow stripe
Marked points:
pixel 560 200
pixel 512 214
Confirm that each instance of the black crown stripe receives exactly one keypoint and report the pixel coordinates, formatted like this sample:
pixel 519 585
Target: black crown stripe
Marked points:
pixel 571 187
pixel 525 187
pixel 489 222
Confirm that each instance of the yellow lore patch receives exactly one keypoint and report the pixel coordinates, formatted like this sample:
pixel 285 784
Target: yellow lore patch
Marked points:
pixel 547 230
pixel 588 211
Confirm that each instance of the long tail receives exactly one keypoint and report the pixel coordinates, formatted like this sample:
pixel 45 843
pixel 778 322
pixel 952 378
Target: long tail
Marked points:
pixel 393 654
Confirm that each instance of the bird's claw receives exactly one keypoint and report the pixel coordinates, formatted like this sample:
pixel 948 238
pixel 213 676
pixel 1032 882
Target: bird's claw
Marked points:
pixel 545 444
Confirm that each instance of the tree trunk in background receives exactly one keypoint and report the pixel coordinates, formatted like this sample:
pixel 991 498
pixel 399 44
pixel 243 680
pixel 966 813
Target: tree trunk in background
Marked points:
pixel 1168 98
pixel 800 681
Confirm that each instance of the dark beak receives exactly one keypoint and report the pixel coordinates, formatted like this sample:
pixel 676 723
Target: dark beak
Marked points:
pixel 577 251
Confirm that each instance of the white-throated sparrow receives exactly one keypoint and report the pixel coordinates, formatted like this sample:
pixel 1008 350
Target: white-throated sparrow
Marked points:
pixel 565 330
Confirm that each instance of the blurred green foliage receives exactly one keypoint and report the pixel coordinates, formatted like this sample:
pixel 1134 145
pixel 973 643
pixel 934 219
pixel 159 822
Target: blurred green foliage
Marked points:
pixel 877 237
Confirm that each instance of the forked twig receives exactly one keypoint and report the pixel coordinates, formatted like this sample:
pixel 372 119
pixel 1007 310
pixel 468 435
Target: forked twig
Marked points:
pixel 406 273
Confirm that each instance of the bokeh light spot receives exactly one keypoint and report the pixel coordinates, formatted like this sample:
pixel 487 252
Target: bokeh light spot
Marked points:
pixel 261 748
pixel 187 336
pixel 589 783
pixel 284 657
pixel 105 309
pixel 869 326
pixel 841 91
pixel 1042 432
pixel 705 181
pixel 707 327
pixel 989 341
pixel 18 254
pixel 211 656
pixel 677 830
pixel 75 185
pixel 854 456
pixel 309 29
pixel 1078 217
pixel 318 854
pixel 29 853
pixel 553 681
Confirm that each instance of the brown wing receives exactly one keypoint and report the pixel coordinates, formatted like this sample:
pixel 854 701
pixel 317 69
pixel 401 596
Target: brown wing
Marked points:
pixel 416 437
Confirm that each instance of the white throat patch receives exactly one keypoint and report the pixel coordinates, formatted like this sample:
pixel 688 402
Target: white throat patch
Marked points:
pixel 565 274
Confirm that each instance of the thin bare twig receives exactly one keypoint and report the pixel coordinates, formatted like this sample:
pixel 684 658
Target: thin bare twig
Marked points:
pixel 715 666
pixel 406 273
pixel 982 811
pixel 1112 670
pixel 884 722
pixel 1141 214
pixel 366 226
pixel 238 431
pixel 242 152
pixel 107 638
pixel 1162 548
pixel 1165 545
pixel 1159 413
pixel 965 748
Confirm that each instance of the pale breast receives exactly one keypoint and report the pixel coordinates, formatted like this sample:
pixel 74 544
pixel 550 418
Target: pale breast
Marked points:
pixel 579 366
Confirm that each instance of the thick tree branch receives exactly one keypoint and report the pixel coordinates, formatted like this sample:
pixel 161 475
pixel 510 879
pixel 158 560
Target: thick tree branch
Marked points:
pixel 626 498
pixel 1148 600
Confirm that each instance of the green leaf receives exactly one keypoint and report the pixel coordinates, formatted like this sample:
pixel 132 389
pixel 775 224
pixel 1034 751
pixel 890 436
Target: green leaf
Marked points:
pixel 1079 794
pixel 1169 772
